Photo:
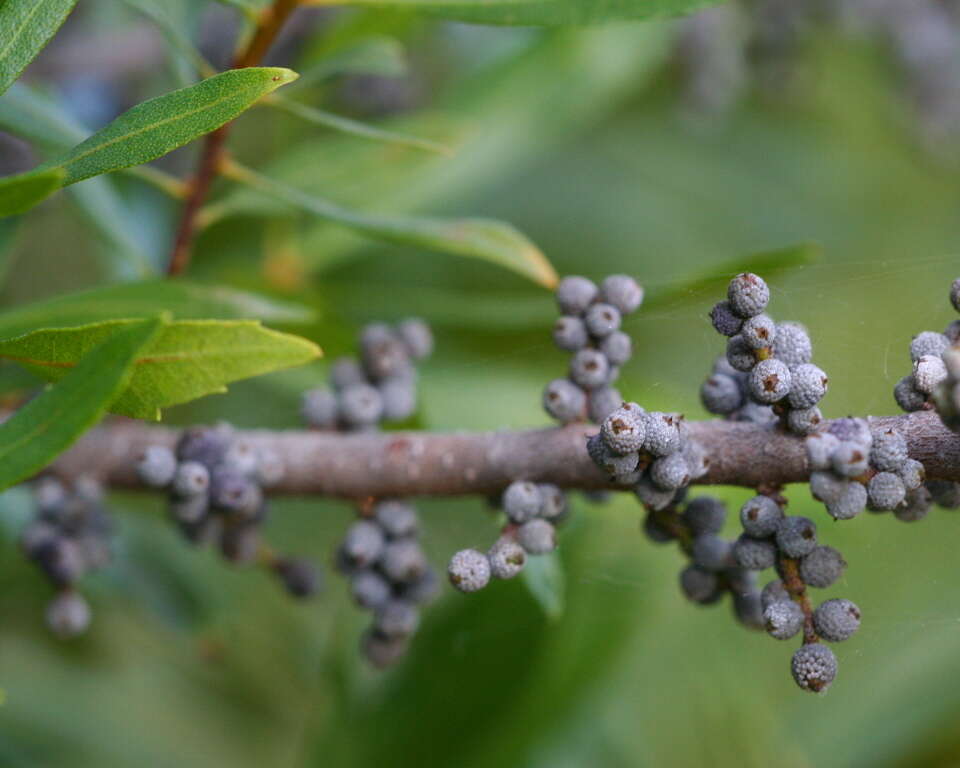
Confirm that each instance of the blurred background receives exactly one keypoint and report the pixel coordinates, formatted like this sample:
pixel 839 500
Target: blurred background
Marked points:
pixel 669 150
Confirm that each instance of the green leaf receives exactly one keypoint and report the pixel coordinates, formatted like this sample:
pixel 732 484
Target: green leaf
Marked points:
pixel 25 28
pixel 543 576
pixel 550 13
pixel 172 19
pixel 355 127
pixel 184 300
pixel 150 130
pixel 21 193
pixel 188 358
pixel 49 424
pixel 486 239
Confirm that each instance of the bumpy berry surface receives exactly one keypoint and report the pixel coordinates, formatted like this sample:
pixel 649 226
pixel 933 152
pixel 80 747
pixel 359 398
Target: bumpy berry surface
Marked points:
pixel 772 592
pixel 754 554
pixel 670 472
pixel 506 558
pixel 396 518
pixel 759 331
pixel 889 450
pixel 624 429
pixel 760 516
pixel 808 386
pixel 796 536
pixel 836 620
pixel 770 381
pixel 928 372
pixel 537 537
pixel 721 394
pixel 814 667
pixel 850 459
pixel 589 368
pixel 822 567
pixel 623 292
pixel 748 294
pixel 793 344
pixel 724 320
pixel 908 397
pixel 661 436
pixel 739 354
pixel 804 421
pixel 783 619
pixel 522 501
pixel 928 343
pixel 885 491
pixel 564 400
pixel 469 570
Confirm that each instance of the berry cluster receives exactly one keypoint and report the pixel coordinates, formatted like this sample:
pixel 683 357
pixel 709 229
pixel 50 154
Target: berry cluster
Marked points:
pixel 788 543
pixel 772 376
pixel 589 327
pixel 713 571
pixel 380 386
pixel 533 511
pixel 389 575
pixel 215 484
pixel 68 537
pixel 652 452
pixel 856 468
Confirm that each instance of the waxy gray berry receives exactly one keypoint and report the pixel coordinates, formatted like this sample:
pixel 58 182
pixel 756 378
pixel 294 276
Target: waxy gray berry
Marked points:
pixel 670 472
pixel 850 502
pixel 760 516
pixel 618 347
pixel 623 292
pixel 912 473
pixel 319 408
pixel 363 544
pixel 739 354
pixel 157 466
pixel 807 387
pixel 554 506
pixel 589 368
pixel 804 421
pixel 700 585
pixel 748 294
pixel 754 554
pixel 908 397
pixel 564 400
pixel 888 453
pixel 822 567
pixel 624 429
pixel 469 570
pixel 396 518
pixel 575 294
pixel 369 589
pixel 570 333
pixel 522 501
pixel 712 553
pixel 233 492
pixel 382 352
pixel 361 405
pixel 885 491
pixel 537 537
pixel 928 343
pixel 661 435
pixel 416 337
pixel 346 371
pixel 759 331
pixel 820 448
pixel 724 320
pixel 396 618
pixel 399 396
pixel 705 514
pixel 602 402
pixel 928 372
pixel 836 620
pixel 773 591
pixel 403 561
pixel 793 344
pixel 770 381
pixel 814 667
pixel 721 394
pixel 783 619
pixel 796 536
pixel 601 320
pixel 191 479
pixel 850 459
pixel 506 558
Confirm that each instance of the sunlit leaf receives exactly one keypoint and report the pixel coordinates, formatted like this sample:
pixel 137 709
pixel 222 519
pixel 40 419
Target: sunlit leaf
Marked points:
pixel 25 28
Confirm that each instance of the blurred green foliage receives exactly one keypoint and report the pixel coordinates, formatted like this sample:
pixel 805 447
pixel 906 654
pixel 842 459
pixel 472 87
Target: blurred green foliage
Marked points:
pixel 574 137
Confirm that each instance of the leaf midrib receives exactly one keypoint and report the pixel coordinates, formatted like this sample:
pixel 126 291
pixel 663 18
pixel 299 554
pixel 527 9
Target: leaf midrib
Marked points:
pixel 19 31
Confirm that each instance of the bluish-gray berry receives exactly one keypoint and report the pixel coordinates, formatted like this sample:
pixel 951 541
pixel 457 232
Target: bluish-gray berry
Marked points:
pixel 783 619
pixel 747 609
pixel 852 430
pixel 564 400
pixel 537 536
pixel 808 385
pixel 721 394
pixel 319 408
pixel 661 435
pixel 836 620
pixel 602 402
pixel 712 553
pixel 748 294
pixel 68 614
pixel 369 589
pixel 754 554
pixel 469 570
pixel 928 372
pixel 399 396
pixel 49 495
pixel 396 618
pixel 234 493
pixel 724 320
pixel 422 590
pixel 696 458
pixel 928 343
pixel 575 294
pixel 705 514
pixel 796 536
pixel 793 344
pixel 888 453
pixel 554 506
pixel 624 429
pixel 952 332
pixel 850 459
pixel 908 397
pixel 739 354
pixel 912 473
pixel 822 567
pixel 403 561
pixel 916 506
pixel 741 581
pixel 651 496
pixel 360 405
pixel 345 372
pixel 157 466
pixel 773 591
pixel 396 518
pixel 945 493
pixel 623 292
pixel 804 421
pixel 849 503
pixel 506 558
pixel 820 448
pixel 770 381
pixel 654 530
pixel 61 560
pixel 299 577
pixel 885 491
pixel 700 585
pixel 601 320
pixel 589 368
pixel 382 352
pixel 760 516
pixel 570 333
pixel 955 294
pixel 759 331
pixel 363 544
pixel 204 445
pixel 670 472
pixel 191 479
pixel 618 347
pixel 522 501
pixel 416 337
pixel 813 667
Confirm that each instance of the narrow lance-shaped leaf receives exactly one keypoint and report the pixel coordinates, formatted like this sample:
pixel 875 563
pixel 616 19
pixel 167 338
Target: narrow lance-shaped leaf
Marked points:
pixel 182 299
pixel 550 13
pixel 21 193
pixel 187 359
pixel 486 239
pixel 49 424
pixel 543 576
pixel 25 28
pixel 153 128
